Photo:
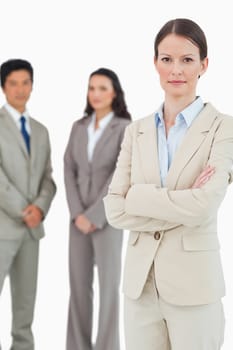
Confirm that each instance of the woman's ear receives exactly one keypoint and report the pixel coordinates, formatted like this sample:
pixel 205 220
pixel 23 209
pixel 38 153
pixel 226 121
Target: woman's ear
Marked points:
pixel 155 62
pixel 204 66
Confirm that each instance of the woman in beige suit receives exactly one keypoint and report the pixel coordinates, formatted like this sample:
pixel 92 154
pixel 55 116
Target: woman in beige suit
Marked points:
pixel 90 160
pixel 171 176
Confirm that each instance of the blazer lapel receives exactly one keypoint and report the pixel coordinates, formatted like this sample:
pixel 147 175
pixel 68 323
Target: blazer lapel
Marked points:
pixel 83 141
pixel 15 131
pixel 108 131
pixel 192 141
pixel 148 150
pixel 34 141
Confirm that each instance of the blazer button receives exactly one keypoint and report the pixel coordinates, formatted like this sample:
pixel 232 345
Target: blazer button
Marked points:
pixel 157 235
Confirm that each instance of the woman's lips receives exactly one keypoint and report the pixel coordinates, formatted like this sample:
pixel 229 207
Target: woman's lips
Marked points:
pixel 177 82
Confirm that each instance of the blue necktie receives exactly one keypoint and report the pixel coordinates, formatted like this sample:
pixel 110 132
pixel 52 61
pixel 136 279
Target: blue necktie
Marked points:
pixel 24 132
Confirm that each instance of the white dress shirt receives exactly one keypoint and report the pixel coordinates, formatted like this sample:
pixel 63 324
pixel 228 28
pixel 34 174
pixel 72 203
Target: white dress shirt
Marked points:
pixel 16 115
pixel 95 134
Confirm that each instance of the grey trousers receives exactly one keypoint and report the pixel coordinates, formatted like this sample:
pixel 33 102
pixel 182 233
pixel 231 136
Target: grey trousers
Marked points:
pixel 19 260
pixel 102 248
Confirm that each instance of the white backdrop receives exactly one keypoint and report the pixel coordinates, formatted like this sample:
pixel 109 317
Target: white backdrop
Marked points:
pixel 65 40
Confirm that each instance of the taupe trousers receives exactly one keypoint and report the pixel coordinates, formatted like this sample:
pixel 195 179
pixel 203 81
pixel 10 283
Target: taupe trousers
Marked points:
pixel 103 249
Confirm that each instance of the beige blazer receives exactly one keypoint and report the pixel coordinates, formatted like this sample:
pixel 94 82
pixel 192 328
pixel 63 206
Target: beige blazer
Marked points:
pixel 24 179
pixel 174 226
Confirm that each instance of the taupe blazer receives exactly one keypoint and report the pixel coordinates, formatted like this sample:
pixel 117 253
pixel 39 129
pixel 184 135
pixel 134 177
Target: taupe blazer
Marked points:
pixel 24 179
pixel 87 182
pixel 174 226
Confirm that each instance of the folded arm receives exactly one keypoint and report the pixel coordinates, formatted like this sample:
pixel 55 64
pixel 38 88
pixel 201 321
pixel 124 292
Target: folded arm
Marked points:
pixel 115 200
pixel 190 207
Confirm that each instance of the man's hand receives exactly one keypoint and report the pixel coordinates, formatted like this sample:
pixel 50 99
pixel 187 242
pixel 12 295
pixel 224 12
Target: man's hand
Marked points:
pixel 32 216
pixel 204 176
pixel 84 225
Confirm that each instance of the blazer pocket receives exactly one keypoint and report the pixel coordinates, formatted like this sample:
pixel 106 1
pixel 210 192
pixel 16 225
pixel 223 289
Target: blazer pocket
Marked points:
pixel 133 237
pixel 200 242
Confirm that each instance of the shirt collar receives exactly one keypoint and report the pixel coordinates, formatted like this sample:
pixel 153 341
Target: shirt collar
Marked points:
pixel 16 114
pixel 188 114
pixel 104 121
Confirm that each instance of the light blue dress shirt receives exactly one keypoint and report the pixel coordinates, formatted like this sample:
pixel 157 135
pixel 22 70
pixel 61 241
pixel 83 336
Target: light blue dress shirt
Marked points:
pixel 167 146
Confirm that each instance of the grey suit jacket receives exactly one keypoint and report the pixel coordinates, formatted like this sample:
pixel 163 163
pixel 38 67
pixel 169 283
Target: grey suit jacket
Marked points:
pixel 87 182
pixel 24 179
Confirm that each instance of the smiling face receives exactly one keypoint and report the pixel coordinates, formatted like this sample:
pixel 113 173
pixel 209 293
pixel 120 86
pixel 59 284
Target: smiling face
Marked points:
pixel 101 93
pixel 179 66
pixel 17 89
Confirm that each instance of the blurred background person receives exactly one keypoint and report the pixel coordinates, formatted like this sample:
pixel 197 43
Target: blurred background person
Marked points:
pixel 26 191
pixel 89 163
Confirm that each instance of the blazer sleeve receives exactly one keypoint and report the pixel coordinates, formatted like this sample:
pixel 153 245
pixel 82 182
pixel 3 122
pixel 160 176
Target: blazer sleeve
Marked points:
pixel 12 201
pixel 96 212
pixel 47 187
pixel 190 207
pixel 70 176
pixel 115 201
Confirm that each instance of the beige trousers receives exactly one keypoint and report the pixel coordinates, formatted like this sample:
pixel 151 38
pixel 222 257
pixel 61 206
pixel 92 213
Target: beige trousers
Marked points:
pixel 153 324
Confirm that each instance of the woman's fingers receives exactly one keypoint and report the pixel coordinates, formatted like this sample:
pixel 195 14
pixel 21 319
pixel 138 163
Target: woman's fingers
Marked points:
pixel 204 176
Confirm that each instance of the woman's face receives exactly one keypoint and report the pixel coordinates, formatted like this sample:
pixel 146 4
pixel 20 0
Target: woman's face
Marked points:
pixel 100 93
pixel 179 65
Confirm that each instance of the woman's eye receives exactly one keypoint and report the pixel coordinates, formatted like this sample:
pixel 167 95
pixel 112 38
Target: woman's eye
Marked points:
pixel 188 59
pixel 165 59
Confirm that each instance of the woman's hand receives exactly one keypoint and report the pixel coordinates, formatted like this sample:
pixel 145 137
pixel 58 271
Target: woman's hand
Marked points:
pixel 84 225
pixel 204 176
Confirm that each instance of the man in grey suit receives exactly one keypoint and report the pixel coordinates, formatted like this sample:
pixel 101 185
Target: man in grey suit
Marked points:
pixel 26 192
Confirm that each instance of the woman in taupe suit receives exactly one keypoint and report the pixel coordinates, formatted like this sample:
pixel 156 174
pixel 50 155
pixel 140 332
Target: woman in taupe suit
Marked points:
pixel 171 177
pixel 89 163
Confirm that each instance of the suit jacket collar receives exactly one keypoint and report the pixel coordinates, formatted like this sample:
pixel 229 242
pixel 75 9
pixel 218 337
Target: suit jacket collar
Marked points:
pixel 108 131
pixel 147 141
pixel 13 127
pixel 34 141
pixel 148 150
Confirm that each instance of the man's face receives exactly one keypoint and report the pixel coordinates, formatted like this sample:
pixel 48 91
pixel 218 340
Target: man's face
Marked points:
pixel 17 89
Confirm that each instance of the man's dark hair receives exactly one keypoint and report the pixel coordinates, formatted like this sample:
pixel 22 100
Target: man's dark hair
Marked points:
pixel 13 65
